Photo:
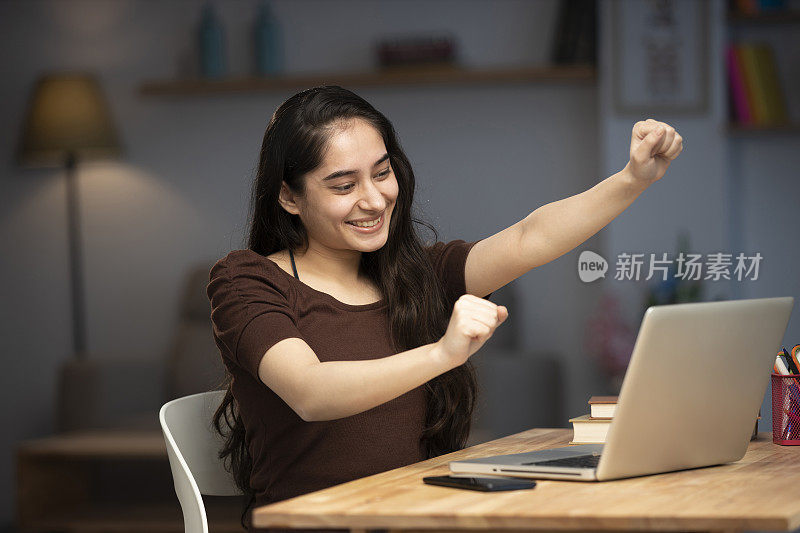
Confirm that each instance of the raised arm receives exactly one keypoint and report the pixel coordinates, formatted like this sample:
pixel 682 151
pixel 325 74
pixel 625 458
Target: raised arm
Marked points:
pixel 556 228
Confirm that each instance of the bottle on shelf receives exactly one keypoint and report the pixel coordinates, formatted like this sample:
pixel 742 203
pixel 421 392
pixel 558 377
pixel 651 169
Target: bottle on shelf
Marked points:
pixel 211 44
pixel 267 41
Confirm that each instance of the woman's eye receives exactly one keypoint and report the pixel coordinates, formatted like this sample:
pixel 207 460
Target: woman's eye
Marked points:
pixel 348 186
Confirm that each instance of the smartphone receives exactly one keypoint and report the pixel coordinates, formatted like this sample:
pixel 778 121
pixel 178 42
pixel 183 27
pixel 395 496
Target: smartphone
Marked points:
pixel 486 484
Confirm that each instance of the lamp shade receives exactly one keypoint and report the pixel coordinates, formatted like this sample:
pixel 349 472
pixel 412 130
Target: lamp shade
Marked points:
pixel 67 117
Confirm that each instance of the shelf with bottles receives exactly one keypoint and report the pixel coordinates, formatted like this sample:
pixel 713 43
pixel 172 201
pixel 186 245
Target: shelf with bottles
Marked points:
pixel 400 59
pixel 386 77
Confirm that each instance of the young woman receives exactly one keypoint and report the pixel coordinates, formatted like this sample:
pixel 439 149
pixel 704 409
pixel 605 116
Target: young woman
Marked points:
pixel 346 339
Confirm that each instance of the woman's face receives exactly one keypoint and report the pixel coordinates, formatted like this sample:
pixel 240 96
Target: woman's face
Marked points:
pixel 355 182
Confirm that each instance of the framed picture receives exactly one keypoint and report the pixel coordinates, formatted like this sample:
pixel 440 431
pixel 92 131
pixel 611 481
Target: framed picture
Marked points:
pixel 660 56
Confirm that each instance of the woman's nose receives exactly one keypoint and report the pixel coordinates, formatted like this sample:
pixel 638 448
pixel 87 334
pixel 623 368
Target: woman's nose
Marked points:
pixel 372 198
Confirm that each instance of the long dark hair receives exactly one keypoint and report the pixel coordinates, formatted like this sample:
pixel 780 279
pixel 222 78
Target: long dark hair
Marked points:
pixel 294 144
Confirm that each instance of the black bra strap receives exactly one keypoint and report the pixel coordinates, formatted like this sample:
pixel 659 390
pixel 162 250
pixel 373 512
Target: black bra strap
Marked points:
pixel 294 268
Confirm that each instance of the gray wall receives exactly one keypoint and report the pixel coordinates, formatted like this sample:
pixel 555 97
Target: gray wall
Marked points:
pixel 733 193
pixel 485 157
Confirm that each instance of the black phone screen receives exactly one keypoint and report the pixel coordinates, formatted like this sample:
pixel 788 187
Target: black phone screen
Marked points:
pixel 488 484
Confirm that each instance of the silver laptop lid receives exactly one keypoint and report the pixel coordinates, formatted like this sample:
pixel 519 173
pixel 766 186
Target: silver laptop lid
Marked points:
pixel 692 399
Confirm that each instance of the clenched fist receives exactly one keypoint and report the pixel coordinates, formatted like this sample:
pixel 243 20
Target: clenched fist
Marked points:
pixel 653 147
pixel 472 323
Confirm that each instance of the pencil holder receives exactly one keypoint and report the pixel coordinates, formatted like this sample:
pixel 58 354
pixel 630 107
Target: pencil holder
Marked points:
pixel 786 409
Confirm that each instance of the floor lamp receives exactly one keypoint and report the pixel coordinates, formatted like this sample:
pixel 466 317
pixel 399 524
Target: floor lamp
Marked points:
pixel 68 120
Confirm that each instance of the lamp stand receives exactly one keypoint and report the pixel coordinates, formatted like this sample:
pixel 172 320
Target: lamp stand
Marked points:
pixel 76 272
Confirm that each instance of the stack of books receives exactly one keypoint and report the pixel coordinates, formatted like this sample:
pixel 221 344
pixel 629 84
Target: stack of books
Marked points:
pixel 593 427
pixel 756 96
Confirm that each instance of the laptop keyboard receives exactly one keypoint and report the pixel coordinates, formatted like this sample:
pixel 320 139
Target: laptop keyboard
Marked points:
pixel 578 461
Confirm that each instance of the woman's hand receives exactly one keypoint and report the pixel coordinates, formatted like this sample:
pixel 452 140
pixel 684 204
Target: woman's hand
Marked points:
pixel 472 323
pixel 653 147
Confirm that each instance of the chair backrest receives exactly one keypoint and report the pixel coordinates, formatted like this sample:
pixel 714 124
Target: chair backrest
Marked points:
pixel 193 446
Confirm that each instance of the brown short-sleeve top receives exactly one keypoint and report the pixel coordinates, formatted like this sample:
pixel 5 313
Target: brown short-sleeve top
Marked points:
pixel 255 304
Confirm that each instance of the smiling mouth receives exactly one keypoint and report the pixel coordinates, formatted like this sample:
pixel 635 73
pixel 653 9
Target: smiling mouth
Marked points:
pixel 369 224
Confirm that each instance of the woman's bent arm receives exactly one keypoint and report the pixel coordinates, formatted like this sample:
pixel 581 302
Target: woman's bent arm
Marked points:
pixel 326 391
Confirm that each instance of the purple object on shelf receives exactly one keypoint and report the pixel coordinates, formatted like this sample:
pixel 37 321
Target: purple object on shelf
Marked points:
pixel 416 50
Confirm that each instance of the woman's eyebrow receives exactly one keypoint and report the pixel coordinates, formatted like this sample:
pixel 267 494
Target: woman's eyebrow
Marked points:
pixel 340 173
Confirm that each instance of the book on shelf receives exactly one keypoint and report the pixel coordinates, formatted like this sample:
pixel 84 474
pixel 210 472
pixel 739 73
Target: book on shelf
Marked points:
pixel 773 93
pixel 575 40
pixel 602 406
pixel 756 96
pixel 739 99
pixel 588 430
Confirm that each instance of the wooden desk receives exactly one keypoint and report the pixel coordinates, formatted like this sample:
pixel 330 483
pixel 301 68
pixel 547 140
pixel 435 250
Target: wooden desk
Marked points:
pixel 762 491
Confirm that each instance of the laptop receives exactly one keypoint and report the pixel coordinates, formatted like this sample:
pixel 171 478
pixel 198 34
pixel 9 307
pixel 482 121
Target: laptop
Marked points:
pixel 691 393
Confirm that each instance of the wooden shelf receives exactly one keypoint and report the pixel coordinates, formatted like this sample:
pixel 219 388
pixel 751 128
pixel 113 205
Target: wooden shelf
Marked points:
pixel 741 129
pixel 778 17
pixel 97 444
pixel 405 76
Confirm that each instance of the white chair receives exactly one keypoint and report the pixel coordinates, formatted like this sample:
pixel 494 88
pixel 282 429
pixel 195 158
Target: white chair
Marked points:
pixel 193 446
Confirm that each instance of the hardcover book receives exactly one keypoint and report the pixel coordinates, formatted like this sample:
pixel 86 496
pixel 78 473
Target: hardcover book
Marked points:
pixel 588 430
pixel 602 406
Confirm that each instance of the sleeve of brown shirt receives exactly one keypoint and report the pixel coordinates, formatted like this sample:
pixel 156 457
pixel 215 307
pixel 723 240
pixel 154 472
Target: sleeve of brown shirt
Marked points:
pixel 250 311
pixel 449 260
